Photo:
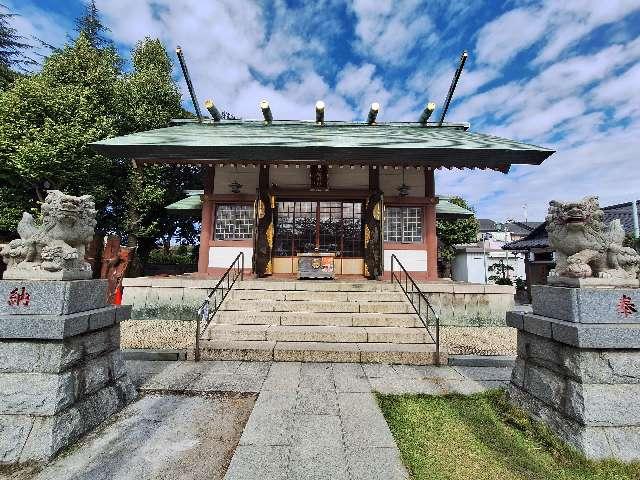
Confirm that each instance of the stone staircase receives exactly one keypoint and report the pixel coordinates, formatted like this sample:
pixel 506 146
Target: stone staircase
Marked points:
pixel 318 321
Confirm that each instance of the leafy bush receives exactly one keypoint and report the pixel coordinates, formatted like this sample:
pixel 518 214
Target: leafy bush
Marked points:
pixel 177 256
pixel 521 284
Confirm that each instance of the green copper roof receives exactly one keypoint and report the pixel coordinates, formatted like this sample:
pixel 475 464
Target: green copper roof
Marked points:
pixel 445 208
pixel 192 204
pixel 335 142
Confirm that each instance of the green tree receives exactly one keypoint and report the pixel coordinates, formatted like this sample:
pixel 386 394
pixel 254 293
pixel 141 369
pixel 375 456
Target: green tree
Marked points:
pixel 12 49
pixel 152 99
pixel 455 232
pixel 501 270
pixel 46 122
pixel 48 119
pixel 90 24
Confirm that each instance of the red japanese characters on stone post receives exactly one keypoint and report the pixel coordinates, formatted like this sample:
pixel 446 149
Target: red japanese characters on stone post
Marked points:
pixel 19 298
pixel 625 306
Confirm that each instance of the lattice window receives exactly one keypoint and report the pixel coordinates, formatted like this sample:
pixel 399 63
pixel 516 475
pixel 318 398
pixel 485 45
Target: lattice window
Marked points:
pixel 403 224
pixel 234 222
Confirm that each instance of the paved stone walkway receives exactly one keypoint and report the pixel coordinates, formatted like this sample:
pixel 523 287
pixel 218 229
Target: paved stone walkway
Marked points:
pixel 314 420
pixel 309 421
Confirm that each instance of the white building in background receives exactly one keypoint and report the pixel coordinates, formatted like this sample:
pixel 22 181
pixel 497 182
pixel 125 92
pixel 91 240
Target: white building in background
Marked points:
pixel 472 262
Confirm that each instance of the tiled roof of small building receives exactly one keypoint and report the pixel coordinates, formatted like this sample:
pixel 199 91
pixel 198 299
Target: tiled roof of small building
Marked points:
pixel 487 225
pixel 518 228
pixel 624 212
pixel 537 238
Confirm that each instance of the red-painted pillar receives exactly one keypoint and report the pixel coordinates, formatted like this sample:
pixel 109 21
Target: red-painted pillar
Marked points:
pixel 206 233
pixel 430 224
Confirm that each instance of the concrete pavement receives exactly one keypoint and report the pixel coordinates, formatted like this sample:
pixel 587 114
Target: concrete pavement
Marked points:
pixel 309 421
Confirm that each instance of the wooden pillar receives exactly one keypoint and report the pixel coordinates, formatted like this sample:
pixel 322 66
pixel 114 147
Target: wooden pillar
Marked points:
pixel 206 232
pixel 374 179
pixel 264 227
pixel 430 224
pixel 263 178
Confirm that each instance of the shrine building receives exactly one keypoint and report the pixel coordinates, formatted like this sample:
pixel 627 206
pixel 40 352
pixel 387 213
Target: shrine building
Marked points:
pixel 357 192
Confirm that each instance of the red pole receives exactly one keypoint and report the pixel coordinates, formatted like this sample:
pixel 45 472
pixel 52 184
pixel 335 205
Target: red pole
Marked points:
pixel 430 224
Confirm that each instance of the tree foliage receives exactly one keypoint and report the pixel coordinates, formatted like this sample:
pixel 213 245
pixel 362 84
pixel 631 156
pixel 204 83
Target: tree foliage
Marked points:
pixel 46 122
pixel 81 95
pixel 455 232
pixel 13 48
pixel 501 270
pixel 90 25
pixel 152 99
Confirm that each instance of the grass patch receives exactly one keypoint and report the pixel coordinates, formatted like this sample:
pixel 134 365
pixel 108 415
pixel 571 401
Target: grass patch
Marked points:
pixel 482 436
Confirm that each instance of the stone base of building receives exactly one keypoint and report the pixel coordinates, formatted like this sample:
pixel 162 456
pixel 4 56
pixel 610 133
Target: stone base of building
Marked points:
pixel 62 372
pixel 581 379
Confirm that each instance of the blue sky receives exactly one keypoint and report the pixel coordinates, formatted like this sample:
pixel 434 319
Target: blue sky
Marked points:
pixel 561 74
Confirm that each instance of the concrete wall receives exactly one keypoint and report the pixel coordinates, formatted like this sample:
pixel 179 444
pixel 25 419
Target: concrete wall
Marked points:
pixel 221 257
pixel 412 260
pixel 469 304
pixel 179 298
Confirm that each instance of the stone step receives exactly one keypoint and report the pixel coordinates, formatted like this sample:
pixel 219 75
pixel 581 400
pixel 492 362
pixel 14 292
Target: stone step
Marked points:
pixel 329 334
pixel 298 295
pixel 408 354
pixel 316 286
pixel 314 306
pixel 350 319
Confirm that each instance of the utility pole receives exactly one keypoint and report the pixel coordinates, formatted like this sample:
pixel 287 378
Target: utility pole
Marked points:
pixel 485 237
pixel 634 212
pixel 506 251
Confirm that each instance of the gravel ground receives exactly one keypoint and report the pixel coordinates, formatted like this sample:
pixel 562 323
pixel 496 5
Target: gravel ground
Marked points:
pixel 157 334
pixel 479 340
pixel 166 334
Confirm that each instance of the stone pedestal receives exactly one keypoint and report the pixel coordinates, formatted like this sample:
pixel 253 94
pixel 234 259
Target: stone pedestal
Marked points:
pixel 578 367
pixel 61 370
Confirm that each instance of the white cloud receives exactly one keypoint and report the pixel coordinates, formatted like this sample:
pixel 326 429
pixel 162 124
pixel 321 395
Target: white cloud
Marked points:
pixel 557 25
pixel 389 29
pixel 621 92
pixel 233 54
pixel 576 18
pixel 503 38
pixel 572 90
pixel 363 87
pixel 534 109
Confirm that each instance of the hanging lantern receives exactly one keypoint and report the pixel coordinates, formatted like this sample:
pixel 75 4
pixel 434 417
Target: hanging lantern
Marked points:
pixel 235 186
pixel 403 189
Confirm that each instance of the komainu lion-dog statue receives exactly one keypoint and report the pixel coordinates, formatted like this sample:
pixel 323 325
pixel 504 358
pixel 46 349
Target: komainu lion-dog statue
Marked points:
pixel 584 247
pixel 56 248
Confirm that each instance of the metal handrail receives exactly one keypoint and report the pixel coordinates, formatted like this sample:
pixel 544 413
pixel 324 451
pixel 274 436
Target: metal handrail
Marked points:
pixel 205 314
pixel 422 299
